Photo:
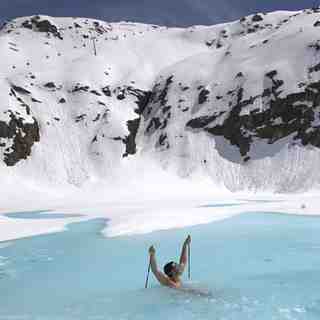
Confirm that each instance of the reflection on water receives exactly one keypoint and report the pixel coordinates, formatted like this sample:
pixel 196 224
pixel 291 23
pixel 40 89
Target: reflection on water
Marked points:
pixel 252 266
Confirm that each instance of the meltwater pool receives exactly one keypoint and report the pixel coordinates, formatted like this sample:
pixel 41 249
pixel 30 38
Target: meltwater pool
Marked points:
pixel 258 266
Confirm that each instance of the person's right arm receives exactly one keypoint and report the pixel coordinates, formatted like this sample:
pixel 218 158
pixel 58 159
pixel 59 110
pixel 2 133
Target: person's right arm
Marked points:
pixel 162 278
pixel 184 254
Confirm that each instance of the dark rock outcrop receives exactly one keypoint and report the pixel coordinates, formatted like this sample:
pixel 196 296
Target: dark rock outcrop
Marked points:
pixel 203 96
pixel 106 90
pixel 317 23
pixel 24 135
pixel 20 90
pixel 133 125
pixel 130 140
pixel 39 25
pixel 292 114
pixel 257 18
pixel 79 88
pixel 143 98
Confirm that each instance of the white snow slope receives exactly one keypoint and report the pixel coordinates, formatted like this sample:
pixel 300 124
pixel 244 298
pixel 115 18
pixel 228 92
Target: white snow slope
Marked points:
pixel 91 105
pixel 82 102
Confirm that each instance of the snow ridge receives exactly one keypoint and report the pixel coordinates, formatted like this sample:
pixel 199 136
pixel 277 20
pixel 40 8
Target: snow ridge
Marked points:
pixel 86 100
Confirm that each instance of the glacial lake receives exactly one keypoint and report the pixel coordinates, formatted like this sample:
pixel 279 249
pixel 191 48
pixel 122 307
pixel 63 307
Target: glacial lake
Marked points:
pixel 259 266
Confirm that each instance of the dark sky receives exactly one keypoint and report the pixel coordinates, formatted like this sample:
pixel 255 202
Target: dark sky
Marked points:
pixel 167 12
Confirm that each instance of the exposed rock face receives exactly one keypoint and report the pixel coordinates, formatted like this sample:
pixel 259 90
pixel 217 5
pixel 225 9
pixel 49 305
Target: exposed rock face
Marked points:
pixel 279 118
pixel 50 85
pixel 22 134
pixel 42 26
pixel 257 18
pixel 129 141
pixel 157 111
pixel 20 90
pixel 317 24
pixel 133 125
pixel 20 130
pixel 203 96
pixel 143 98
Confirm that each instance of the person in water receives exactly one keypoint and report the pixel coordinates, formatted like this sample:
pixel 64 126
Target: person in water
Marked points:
pixel 172 270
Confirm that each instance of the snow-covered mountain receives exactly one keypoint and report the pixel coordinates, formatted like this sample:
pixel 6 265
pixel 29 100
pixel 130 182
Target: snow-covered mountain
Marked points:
pixel 86 100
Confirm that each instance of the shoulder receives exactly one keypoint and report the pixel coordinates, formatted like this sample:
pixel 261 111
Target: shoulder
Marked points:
pixel 162 278
pixel 172 284
pixel 181 268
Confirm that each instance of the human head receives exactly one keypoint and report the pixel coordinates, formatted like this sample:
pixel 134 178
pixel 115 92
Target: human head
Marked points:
pixel 170 269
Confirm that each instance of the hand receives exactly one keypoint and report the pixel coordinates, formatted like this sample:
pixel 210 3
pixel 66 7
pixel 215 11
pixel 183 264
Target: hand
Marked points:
pixel 152 250
pixel 188 240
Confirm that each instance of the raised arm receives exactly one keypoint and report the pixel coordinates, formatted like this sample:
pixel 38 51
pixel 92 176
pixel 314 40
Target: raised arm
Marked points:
pixel 184 254
pixel 162 278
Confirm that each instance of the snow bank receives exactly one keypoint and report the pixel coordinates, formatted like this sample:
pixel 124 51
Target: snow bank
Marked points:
pixel 136 208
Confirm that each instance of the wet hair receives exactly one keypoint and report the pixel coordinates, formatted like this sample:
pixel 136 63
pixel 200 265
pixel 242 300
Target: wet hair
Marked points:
pixel 168 268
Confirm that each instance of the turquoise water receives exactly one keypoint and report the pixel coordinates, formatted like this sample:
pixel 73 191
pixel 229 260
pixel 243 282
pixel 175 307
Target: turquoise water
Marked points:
pixel 256 266
pixel 40 215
